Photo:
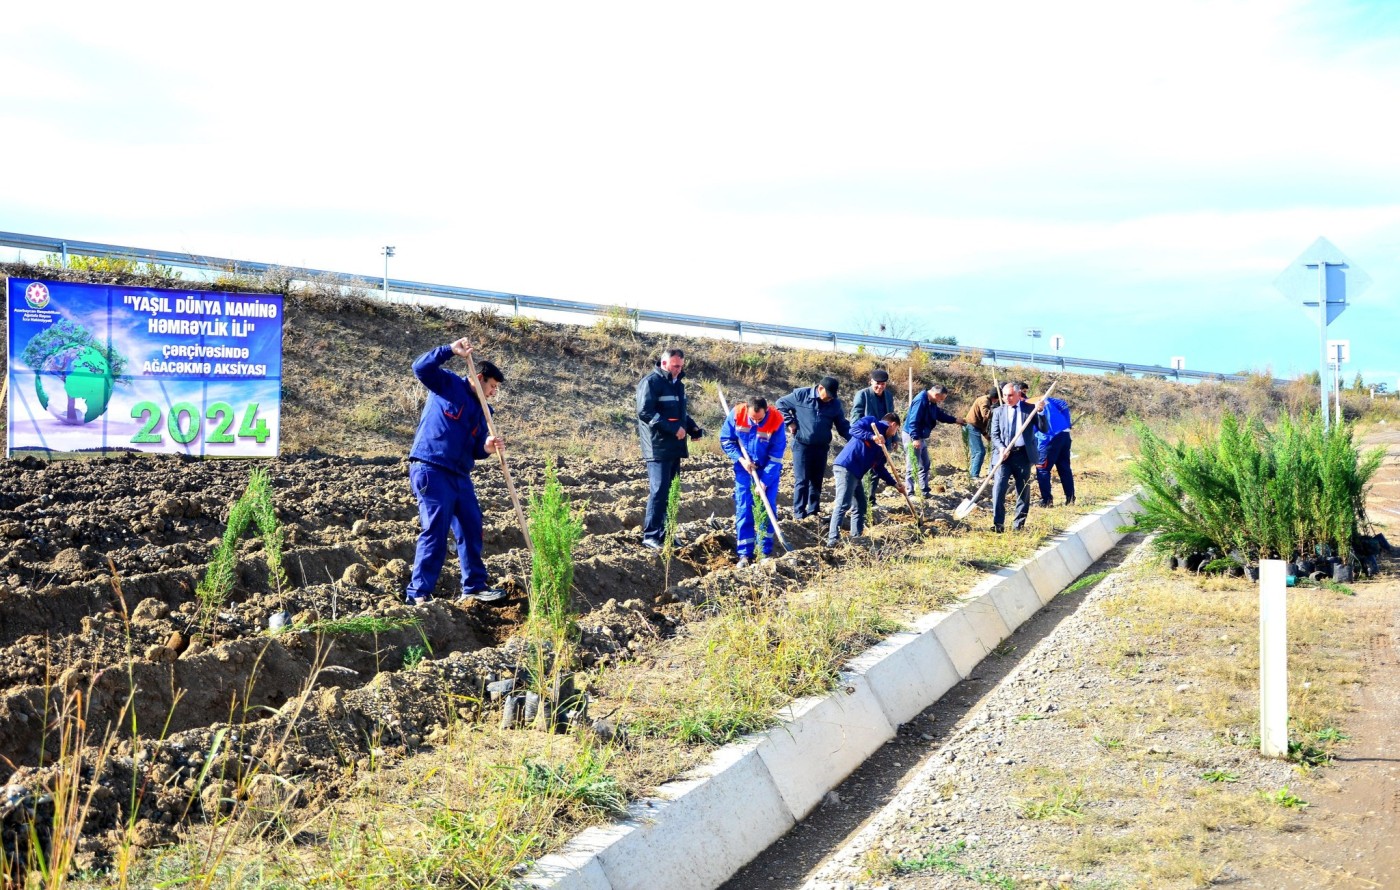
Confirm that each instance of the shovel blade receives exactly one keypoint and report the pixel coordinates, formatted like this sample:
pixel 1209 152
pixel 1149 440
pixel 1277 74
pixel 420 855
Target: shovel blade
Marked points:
pixel 964 509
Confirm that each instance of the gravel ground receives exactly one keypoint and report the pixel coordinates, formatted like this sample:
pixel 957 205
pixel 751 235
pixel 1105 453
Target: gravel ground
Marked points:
pixel 968 799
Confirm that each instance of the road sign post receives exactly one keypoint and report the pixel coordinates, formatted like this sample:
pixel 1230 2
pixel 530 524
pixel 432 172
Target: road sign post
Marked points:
pixel 1034 334
pixel 1338 354
pixel 1324 277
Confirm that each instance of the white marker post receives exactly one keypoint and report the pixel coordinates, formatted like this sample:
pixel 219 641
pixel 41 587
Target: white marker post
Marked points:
pixel 1273 658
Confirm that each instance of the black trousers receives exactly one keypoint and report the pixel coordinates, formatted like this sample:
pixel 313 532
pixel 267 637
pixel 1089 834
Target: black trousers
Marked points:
pixel 808 468
pixel 1017 466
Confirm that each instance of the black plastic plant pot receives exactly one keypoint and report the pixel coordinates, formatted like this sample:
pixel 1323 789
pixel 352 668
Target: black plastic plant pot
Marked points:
pixel 1251 573
pixel 1342 573
pixel 1306 567
pixel 1319 576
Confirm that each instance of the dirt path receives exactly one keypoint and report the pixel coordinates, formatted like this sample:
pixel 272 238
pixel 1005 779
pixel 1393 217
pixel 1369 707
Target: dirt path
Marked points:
pixel 1355 839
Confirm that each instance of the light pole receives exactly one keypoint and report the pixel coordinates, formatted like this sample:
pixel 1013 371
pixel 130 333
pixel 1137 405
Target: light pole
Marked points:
pixel 1034 334
pixel 388 251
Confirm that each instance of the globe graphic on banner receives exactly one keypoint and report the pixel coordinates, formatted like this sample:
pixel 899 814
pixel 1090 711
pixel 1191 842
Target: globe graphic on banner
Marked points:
pixel 75 385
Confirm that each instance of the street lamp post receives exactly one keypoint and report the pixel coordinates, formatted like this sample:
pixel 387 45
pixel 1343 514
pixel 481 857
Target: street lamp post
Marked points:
pixel 388 251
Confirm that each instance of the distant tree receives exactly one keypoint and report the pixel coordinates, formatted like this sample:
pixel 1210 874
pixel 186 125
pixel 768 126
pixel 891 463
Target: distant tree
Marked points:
pixel 1382 388
pixel 1358 384
pixel 899 327
pixel 1312 378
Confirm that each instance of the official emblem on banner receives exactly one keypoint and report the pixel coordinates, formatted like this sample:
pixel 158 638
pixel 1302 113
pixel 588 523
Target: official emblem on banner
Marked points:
pixel 36 295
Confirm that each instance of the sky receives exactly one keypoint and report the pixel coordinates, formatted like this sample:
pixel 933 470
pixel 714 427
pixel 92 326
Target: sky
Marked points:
pixel 1133 177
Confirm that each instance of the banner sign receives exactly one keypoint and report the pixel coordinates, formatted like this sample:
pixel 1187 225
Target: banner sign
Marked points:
pixel 95 369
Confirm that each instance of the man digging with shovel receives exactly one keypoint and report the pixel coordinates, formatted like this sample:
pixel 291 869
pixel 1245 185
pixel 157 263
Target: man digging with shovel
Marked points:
pixel 755 438
pixel 1014 443
pixel 453 434
pixel 861 455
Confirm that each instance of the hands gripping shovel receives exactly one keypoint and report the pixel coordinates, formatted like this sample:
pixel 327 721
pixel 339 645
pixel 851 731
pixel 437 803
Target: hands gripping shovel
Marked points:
pixel 491 429
pixel 889 461
pixel 757 482
pixel 970 504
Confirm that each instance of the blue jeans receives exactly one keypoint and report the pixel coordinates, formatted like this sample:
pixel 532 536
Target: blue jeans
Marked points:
pixel 446 502
pixel 850 499
pixel 1054 454
pixel 660 473
pixel 977 451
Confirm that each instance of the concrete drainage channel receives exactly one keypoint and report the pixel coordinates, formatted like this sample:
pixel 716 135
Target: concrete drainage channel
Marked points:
pixel 699 830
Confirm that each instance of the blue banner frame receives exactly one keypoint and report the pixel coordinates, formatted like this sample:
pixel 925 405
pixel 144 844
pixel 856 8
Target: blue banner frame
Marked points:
pixel 100 370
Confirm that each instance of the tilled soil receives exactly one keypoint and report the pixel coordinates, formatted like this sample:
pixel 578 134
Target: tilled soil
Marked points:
pixel 97 597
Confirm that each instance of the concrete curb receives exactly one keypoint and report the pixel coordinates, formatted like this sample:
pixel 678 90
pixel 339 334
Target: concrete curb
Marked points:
pixel 702 828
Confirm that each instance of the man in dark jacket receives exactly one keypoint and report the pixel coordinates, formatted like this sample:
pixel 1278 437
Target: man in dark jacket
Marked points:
pixel 924 415
pixel 876 400
pixel 811 412
pixel 452 436
pixel 861 455
pixel 1012 449
pixel 664 426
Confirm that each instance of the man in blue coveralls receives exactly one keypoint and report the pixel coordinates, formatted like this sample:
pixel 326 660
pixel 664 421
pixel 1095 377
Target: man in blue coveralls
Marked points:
pixel 764 437
pixel 452 436
pixel 1054 448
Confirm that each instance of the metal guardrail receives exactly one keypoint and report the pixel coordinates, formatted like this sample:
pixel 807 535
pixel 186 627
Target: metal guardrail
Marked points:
pixel 67 247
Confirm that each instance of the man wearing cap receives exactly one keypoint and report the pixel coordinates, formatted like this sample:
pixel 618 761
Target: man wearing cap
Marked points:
pixel 452 436
pixel 664 426
pixel 978 429
pixel 924 415
pixel 875 400
pixel 1013 447
pixel 811 412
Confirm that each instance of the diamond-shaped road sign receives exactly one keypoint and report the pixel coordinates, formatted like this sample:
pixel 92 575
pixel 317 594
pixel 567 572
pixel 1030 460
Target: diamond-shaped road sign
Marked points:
pixel 1303 280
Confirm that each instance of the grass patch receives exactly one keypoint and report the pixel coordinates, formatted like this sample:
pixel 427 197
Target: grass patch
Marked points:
pixel 358 624
pixel 1086 581
pixel 945 860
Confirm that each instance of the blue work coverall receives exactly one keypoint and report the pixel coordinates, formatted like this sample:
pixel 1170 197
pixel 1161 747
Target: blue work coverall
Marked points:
pixel 1054 448
pixel 766 443
pixel 451 438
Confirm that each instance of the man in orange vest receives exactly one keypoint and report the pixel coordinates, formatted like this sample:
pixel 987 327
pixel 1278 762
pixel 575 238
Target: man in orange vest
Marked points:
pixel 764 438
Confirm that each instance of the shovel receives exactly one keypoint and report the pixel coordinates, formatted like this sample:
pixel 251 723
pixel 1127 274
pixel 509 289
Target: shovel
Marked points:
pixel 889 461
pixel 753 474
pixel 970 504
pixel 491 428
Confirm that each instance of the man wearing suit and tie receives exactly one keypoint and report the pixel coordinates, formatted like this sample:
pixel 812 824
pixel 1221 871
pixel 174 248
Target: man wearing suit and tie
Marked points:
pixel 1016 464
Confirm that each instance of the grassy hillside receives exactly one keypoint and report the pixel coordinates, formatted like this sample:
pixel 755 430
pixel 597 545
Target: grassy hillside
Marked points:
pixel 348 387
